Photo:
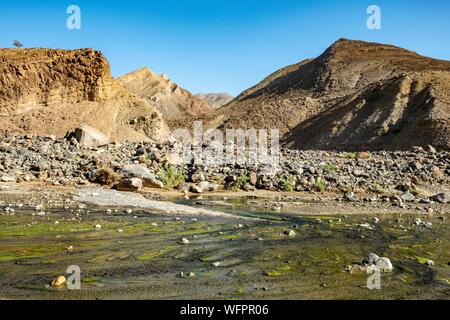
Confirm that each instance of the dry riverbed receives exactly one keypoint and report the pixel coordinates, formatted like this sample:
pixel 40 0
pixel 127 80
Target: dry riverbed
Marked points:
pixel 267 245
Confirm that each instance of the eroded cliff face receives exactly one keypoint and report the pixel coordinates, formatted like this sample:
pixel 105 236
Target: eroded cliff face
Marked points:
pixel 35 77
pixel 49 92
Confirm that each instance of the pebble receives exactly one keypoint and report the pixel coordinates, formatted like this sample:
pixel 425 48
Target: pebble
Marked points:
pixel 184 241
pixel 58 281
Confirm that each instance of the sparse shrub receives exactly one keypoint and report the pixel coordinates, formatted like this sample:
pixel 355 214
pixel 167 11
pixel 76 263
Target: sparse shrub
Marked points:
pixel 329 167
pixel 219 180
pixel 288 184
pixel 320 185
pixel 106 176
pixel 170 176
pixel 239 183
pixel 378 189
pixel 351 155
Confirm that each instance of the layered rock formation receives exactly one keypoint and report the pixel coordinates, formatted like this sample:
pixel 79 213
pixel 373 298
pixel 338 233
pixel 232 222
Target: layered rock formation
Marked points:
pixel 49 92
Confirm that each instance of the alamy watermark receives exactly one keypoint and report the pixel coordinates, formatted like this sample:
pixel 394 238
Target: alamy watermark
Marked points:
pixel 231 147
pixel 374 20
pixel 73 21
pixel 374 279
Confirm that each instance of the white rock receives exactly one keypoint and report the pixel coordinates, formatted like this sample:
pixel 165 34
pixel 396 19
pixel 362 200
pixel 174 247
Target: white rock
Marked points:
pixel 384 264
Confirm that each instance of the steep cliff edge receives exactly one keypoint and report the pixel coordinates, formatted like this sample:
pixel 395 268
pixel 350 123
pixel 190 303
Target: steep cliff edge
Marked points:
pixel 49 92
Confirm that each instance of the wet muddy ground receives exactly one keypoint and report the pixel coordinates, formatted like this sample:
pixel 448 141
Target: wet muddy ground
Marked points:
pixel 140 255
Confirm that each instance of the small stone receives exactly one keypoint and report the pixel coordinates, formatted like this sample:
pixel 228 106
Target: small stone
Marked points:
pixel 184 241
pixel 372 258
pixel 253 178
pixel 431 149
pixel 58 281
pixel 408 196
pixel 441 197
pixel 41 214
pixel 6 178
pixel 98 226
pixel 216 264
pixel 384 264
pixel 290 233
pixel 363 155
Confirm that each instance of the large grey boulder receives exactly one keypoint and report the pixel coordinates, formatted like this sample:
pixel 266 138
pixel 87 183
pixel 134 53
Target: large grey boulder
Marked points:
pixel 88 137
pixel 441 197
pixel 139 171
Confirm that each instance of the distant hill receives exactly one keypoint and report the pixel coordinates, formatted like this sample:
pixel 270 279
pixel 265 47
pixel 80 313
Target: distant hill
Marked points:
pixel 356 95
pixel 170 99
pixel 215 100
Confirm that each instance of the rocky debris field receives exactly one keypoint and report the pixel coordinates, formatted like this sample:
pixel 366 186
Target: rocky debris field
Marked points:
pixel 420 175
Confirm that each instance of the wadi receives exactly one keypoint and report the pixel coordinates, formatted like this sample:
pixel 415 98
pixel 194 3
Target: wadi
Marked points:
pixel 91 175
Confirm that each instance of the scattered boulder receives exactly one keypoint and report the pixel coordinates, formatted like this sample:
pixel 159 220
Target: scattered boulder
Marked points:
pixel 197 177
pixel 253 178
pixel 7 178
pixel 431 149
pixel 429 263
pixel 184 241
pixel 384 265
pixel 408 196
pixel 381 263
pixel 372 258
pixel 172 159
pixel 290 233
pixel 139 171
pixel 443 197
pixel 130 184
pixel 437 172
pixel 363 155
pixel 88 137
pixel 204 186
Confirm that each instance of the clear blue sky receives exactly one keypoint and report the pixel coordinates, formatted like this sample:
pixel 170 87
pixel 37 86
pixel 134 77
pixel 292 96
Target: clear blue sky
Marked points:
pixel 222 45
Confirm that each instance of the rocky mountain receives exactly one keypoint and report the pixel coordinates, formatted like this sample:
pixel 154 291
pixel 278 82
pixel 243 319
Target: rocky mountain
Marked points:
pixel 215 100
pixel 170 99
pixel 356 95
pixel 49 92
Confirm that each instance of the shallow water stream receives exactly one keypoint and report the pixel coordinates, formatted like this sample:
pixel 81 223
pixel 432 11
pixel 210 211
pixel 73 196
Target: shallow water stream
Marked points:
pixel 139 255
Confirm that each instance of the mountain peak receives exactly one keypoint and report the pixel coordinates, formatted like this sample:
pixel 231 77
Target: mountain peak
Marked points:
pixel 168 97
pixel 354 94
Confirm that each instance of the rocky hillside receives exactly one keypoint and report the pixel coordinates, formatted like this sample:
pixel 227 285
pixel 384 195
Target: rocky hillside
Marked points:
pixel 356 95
pixel 170 99
pixel 215 100
pixel 49 92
